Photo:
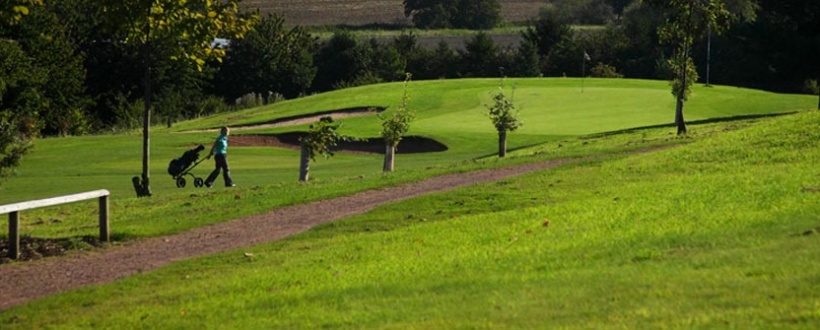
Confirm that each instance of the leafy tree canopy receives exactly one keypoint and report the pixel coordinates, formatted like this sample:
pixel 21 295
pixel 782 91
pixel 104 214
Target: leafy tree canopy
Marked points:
pixel 192 25
pixel 467 14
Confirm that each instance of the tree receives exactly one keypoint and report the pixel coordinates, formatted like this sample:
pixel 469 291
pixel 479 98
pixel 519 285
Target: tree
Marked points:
pixel 547 34
pixel 687 21
pixel 442 63
pixel 430 14
pixel 47 40
pixel 12 11
pixel 526 62
pixel 416 59
pixel 20 90
pixel 480 57
pixel 618 6
pixel 504 116
pixel 477 14
pixel 395 126
pixel 585 12
pixel 320 140
pixel 798 19
pixel 467 14
pixel 270 59
pixel 191 26
pixel 386 63
pixel 639 26
pixel 20 100
pixel 339 60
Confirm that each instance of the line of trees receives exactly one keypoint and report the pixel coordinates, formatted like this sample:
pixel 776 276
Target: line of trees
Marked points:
pixel 68 71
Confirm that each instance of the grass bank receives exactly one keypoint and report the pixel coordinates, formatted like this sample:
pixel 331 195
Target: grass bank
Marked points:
pixel 718 233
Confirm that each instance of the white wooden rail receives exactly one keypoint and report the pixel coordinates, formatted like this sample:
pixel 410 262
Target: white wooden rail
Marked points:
pixel 14 215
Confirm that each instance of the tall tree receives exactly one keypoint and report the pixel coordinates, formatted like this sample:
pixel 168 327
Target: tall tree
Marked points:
pixel 12 11
pixel 480 57
pixel 798 21
pixel 466 14
pixel 191 26
pixel 477 14
pixel 547 34
pixel 430 14
pixel 20 90
pixel 339 61
pixel 20 99
pixel 270 59
pixel 686 22
pixel 47 40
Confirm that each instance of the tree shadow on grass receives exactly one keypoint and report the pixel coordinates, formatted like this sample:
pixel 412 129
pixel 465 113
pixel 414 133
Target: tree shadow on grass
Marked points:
pixel 408 145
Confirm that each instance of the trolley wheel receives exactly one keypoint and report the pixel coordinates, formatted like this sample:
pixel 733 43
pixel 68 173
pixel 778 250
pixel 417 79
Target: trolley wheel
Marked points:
pixel 180 182
pixel 199 182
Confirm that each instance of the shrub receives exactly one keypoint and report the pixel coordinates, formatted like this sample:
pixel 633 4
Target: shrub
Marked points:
pixel 249 100
pixel 605 71
pixel 810 87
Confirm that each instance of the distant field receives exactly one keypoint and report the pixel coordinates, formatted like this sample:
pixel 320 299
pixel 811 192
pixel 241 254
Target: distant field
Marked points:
pixel 361 12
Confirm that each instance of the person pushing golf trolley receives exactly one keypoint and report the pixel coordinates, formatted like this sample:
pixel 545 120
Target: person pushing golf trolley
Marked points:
pixel 219 151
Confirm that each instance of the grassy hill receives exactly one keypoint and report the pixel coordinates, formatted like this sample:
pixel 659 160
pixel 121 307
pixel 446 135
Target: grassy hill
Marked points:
pixel 718 233
pixel 449 111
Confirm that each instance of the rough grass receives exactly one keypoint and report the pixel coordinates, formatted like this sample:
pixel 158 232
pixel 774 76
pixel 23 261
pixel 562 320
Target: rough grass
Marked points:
pixel 719 233
pixel 554 112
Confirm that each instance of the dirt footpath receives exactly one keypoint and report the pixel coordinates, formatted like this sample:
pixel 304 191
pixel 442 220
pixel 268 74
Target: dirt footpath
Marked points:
pixel 20 283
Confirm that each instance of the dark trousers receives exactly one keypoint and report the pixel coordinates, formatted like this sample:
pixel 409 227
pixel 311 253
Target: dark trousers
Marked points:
pixel 221 161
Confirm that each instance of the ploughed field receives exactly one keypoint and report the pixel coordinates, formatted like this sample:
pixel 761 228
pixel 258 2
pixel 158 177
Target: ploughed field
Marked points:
pixel 363 12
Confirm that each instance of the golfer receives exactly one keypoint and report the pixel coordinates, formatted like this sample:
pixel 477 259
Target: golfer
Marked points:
pixel 220 152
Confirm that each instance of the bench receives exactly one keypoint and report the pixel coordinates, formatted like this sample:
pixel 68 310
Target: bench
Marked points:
pixel 13 211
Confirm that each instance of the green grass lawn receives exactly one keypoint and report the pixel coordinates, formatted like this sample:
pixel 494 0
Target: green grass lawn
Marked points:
pixel 450 111
pixel 718 232
pixel 708 234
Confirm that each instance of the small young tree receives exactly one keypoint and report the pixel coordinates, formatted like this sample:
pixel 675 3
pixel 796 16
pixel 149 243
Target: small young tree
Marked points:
pixel 394 127
pixel 319 140
pixel 504 116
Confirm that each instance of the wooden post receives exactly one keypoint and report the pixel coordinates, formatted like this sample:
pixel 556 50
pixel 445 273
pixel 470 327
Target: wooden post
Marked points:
pixel 14 235
pixel 14 215
pixel 105 234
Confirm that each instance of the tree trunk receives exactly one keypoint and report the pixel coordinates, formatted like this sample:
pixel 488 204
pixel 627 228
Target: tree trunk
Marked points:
pixel 502 144
pixel 304 165
pixel 389 156
pixel 145 186
pixel 679 122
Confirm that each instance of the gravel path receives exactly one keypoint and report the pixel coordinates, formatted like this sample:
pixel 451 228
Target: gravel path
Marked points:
pixel 21 283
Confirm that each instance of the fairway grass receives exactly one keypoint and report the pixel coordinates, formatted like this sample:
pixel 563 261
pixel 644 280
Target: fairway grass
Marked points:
pixel 718 232
pixel 449 111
